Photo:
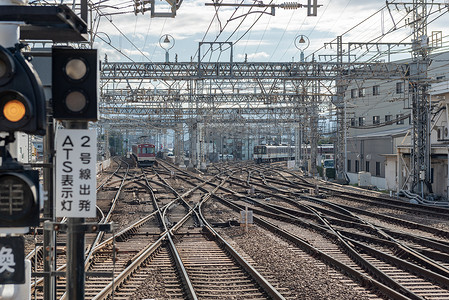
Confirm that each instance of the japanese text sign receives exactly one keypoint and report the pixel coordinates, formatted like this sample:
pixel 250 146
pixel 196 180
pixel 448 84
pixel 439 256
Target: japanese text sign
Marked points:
pixel 76 157
pixel 12 260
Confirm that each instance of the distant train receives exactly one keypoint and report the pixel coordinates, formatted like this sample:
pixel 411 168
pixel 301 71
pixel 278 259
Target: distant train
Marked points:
pixel 270 153
pixel 145 154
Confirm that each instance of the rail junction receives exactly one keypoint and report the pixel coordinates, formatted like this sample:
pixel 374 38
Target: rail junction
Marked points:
pixel 179 235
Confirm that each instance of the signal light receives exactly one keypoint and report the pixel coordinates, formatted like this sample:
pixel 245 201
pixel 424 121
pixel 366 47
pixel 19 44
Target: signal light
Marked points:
pixel 19 196
pixel 75 89
pixel 14 110
pixel 76 69
pixel 22 99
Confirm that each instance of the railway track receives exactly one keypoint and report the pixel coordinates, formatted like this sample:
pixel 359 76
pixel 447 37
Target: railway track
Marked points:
pixel 156 254
pixel 388 268
pixel 167 248
pixel 417 276
pixel 59 254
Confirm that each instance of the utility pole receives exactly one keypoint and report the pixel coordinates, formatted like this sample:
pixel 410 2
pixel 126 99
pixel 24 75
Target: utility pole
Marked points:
pixel 421 146
pixel 340 103
pixel 314 134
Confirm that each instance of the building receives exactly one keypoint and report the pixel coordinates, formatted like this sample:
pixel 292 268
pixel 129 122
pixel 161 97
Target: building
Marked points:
pixel 379 121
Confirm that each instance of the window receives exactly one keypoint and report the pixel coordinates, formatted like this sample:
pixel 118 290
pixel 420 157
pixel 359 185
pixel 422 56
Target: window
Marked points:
pixel 376 90
pixel 148 150
pixel 377 168
pixel 354 93
pixel 399 87
pixel 367 166
pixel 356 166
pixel 399 122
pixel 376 119
pixel 362 92
pixel 353 122
pixel 349 165
pixel 387 118
pixel 361 121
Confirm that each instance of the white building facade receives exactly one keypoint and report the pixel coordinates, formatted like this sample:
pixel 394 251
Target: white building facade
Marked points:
pixel 379 121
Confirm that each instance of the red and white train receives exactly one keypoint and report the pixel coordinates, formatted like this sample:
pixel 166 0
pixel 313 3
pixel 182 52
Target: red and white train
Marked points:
pixel 145 154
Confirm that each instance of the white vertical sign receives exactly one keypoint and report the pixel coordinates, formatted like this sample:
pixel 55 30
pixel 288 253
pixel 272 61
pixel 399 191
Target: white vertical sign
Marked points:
pixel 76 157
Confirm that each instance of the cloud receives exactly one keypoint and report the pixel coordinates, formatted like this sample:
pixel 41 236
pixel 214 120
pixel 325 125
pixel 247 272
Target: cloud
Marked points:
pixel 266 37
pixel 253 56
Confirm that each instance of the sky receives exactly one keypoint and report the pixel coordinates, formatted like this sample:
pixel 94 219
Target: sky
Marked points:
pixel 124 36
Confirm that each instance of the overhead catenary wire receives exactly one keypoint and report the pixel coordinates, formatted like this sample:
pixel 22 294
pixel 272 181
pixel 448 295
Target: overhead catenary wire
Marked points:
pixel 221 28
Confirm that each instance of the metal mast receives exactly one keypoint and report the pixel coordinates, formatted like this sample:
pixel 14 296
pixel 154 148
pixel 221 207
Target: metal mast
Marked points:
pixel 313 119
pixel 420 152
pixel 340 104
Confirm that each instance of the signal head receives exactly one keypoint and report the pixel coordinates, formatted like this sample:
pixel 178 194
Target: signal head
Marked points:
pixel 74 84
pixel 22 99
pixel 19 198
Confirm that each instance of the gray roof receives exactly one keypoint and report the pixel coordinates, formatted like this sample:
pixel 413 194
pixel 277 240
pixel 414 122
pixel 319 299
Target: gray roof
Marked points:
pixel 385 133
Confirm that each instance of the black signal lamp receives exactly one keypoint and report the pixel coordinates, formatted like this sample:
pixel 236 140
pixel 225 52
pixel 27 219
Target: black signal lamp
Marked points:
pixel 75 88
pixel 19 197
pixel 6 68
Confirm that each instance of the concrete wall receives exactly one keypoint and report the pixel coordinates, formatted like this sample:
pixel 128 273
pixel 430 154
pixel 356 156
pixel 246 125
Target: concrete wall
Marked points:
pixel 370 150
pixel 379 182
pixel 391 173
pixel 439 184
pixel 103 165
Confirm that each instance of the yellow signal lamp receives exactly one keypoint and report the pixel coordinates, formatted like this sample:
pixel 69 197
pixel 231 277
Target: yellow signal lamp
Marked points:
pixel 14 110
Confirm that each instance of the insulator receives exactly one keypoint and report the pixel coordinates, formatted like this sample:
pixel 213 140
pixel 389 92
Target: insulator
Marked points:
pixel 290 5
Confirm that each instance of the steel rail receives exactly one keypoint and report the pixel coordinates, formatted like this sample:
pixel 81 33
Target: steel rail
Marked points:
pixel 413 254
pixel 268 288
pixel 113 173
pixel 342 207
pixel 106 219
pixel 355 256
pixel 264 283
pixel 403 205
pixel 318 254
pixel 137 260
pixel 35 283
pixel 188 287
pixel 100 234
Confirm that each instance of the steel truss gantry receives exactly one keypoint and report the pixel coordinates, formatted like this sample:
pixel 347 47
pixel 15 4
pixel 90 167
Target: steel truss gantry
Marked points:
pixel 235 71
pixel 234 93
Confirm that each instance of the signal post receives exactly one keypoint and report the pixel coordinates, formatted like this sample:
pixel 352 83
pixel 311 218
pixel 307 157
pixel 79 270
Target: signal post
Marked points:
pixel 74 90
